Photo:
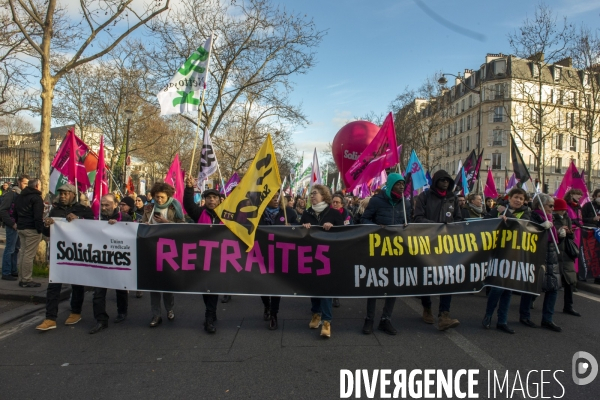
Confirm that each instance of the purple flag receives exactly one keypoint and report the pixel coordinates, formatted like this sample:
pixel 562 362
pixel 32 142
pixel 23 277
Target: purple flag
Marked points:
pixel 231 184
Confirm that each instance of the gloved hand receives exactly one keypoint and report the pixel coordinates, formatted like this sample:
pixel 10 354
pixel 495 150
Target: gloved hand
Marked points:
pixel 562 233
pixel 547 224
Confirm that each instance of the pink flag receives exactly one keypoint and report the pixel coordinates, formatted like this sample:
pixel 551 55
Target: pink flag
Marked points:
pixel 101 181
pixel 69 160
pixel 378 181
pixel 573 180
pixel 490 186
pixel 174 179
pixel 380 154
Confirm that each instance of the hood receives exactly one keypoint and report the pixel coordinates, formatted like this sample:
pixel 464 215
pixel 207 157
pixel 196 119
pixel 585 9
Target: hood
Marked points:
pixel 439 175
pixel 30 191
pixel 392 179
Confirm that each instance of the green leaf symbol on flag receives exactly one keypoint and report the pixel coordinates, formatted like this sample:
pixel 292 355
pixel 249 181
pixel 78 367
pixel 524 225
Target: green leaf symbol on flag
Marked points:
pixel 186 98
pixel 190 65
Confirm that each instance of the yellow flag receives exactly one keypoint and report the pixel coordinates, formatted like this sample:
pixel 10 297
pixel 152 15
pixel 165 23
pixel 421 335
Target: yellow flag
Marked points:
pixel 241 211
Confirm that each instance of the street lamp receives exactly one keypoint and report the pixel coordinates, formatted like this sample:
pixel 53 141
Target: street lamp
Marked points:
pixel 443 81
pixel 128 114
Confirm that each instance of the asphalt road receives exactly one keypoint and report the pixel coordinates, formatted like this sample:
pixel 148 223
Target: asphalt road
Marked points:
pixel 246 360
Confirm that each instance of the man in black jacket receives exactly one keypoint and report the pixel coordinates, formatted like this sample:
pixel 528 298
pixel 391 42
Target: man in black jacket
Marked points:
pixel 109 211
pixel 66 207
pixel 29 208
pixel 8 216
pixel 438 205
pixel 385 208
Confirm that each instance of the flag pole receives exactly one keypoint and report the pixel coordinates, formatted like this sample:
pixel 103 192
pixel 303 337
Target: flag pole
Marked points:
pixel 201 105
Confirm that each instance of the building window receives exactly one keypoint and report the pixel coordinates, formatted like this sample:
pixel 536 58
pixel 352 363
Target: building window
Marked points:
pixel 462 103
pixel 499 66
pixel 573 143
pixel 461 125
pixel 557 73
pixel 470 100
pixel 468 122
pixel 496 161
pixel 572 121
pixel 454 148
pixel 498 90
pixel 468 143
pixel 455 127
pixel 460 150
pixel 561 97
pixel 498 114
pixel 534 117
pixel 558 165
pixel 559 141
pixel 497 137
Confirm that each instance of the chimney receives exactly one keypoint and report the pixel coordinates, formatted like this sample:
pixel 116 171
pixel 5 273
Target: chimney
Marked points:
pixel 537 57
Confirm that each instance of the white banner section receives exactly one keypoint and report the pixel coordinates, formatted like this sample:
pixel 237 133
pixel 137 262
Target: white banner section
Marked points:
pixel 94 253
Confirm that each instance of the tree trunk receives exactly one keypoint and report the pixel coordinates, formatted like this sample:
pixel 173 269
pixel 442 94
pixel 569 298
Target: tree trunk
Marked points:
pixel 47 95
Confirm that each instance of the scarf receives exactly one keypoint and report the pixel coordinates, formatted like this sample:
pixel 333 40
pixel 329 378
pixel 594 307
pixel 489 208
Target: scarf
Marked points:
pixel 270 214
pixel 320 207
pixel 176 206
pixel 478 210
pixel 441 192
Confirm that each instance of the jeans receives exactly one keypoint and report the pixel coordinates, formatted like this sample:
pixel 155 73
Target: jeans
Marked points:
pixel 210 302
pixel 30 239
pixel 388 307
pixel 272 303
pixel 53 297
pixel 525 306
pixel 548 307
pixel 445 301
pixel 99 303
pixel 322 306
pixel 168 299
pixel 503 296
pixel 11 252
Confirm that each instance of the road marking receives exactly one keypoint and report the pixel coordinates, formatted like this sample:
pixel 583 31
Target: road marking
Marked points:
pixel 483 358
pixel 588 296
pixel 6 332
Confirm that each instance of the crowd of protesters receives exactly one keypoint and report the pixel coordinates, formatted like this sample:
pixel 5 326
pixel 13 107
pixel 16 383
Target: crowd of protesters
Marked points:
pixel 21 212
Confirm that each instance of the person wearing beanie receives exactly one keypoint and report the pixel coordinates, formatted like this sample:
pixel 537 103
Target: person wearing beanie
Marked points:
pixel 127 206
pixel 388 207
pixel 438 205
pixel 566 263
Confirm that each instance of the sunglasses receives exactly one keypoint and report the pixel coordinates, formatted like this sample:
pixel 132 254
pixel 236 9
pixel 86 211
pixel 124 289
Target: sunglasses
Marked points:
pixel 550 205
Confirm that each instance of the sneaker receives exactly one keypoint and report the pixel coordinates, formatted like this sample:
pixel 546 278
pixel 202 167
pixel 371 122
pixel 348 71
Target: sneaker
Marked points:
pixel 46 325
pixel 428 316
pixel 326 329
pixel 30 284
pixel 315 321
pixel 73 319
pixel 368 326
pixel 386 326
pixel 445 322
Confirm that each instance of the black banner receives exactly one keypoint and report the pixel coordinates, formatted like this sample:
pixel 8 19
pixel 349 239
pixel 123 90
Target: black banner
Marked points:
pixel 350 261
pixel 589 255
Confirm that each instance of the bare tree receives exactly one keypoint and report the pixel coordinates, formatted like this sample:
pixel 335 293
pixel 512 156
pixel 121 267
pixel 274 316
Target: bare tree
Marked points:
pixel 543 41
pixel 15 125
pixel 103 24
pixel 259 47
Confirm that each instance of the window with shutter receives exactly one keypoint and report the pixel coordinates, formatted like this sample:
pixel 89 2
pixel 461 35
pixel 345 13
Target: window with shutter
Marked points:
pixel 468 143
pixel 502 161
pixel 496 160
pixel 504 138
pixel 490 137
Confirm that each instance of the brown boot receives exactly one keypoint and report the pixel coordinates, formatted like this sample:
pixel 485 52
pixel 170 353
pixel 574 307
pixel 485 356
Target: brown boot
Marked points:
pixel 445 322
pixel 427 316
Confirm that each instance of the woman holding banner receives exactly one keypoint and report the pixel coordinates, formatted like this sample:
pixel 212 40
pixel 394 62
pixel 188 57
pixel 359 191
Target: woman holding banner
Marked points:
pixel 518 209
pixel 321 213
pixel 164 210
pixel 274 214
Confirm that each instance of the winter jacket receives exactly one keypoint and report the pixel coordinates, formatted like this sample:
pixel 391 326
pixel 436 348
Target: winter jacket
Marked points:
pixel 117 215
pixel 29 207
pixel 588 214
pixel 523 213
pixel 201 215
pixel 279 218
pixel 7 208
pixel 474 213
pixel 551 254
pixel 147 216
pixel 384 209
pixel 431 206
pixel 309 216
pixel 565 262
pixel 60 211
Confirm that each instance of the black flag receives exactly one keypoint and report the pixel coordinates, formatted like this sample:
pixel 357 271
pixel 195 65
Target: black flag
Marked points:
pixel 519 167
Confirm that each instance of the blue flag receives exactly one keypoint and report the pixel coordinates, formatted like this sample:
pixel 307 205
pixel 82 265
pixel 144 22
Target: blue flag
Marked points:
pixel 415 169
pixel 464 182
pixel 428 177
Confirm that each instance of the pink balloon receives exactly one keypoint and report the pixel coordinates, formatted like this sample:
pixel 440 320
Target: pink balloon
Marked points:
pixel 350 142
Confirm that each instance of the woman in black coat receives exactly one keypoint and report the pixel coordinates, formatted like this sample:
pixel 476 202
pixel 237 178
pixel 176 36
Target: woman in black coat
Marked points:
pixel 321 213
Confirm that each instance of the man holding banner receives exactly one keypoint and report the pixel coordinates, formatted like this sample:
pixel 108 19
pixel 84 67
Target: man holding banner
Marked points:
pixel 438 205
pixel 66 207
